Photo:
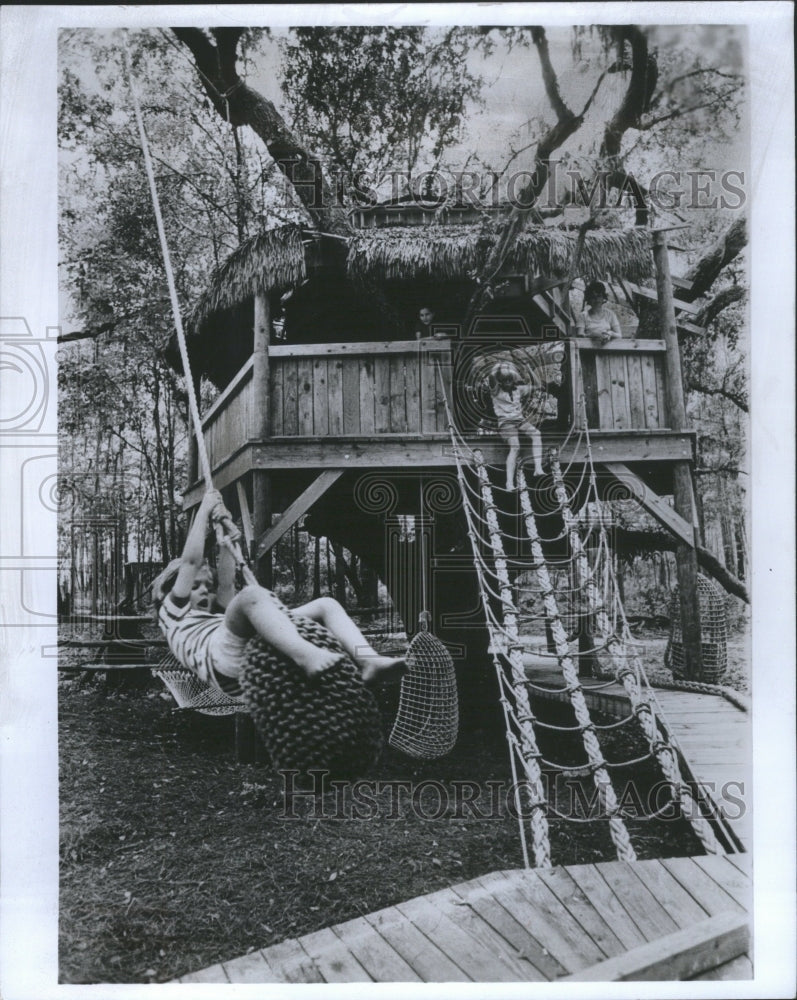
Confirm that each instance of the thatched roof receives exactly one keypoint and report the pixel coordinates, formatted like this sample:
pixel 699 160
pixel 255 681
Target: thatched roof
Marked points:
pixel 275 260
pixel 448 253
pixel 271 261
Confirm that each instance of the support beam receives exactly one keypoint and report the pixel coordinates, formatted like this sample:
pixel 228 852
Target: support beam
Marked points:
pixel 672 520
pixel 685 554
pixel 261 480
pixel 297 509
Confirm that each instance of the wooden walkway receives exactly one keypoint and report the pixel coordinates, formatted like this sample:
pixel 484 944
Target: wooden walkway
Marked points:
pixel 680 918
pixel 713 736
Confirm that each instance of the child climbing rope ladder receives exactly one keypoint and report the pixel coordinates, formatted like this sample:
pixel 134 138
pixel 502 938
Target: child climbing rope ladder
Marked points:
pixel 212 644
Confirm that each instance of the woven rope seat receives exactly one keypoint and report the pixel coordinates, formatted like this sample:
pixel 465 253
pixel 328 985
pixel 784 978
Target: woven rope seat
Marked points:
pixel 428 716
pixel 713 632
pixel 191 692
pixel 330 723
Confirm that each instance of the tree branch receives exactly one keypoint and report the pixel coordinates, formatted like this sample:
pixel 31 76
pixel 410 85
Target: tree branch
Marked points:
pixel 705 271
pixel 721 301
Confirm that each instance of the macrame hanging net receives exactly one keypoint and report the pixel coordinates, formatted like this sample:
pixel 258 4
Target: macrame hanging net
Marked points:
pixel 713 633
pixel 427 719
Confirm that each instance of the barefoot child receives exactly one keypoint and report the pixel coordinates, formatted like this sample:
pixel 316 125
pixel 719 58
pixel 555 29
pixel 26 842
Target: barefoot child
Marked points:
pixel 212 644
pixel 508 395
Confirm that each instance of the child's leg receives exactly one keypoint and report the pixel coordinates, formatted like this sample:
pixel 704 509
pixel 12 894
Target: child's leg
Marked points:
pixel 252 612
pixel 536 447
pixel 510 435
pixel 329 613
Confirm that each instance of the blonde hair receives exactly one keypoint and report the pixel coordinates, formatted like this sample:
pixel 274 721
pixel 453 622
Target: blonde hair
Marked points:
pixel 501 374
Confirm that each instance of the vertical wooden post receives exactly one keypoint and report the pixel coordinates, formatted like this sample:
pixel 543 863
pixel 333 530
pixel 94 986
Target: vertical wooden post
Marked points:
pixel 685 555
pixel 261 478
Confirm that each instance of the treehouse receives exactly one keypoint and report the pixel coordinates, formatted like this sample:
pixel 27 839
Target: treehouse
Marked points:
pixel 330 405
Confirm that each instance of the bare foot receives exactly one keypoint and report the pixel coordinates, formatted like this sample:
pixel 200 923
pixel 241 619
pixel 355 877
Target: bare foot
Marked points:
pixel 316 660
pixel 375 668
pixel 538 472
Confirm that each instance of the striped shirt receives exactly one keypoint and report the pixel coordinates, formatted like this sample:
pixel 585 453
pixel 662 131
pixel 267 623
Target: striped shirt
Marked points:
pixel 188 633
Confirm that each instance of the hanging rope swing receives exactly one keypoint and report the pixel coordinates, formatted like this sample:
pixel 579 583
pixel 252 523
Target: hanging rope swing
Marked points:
pixel 330 724
pixel 428 714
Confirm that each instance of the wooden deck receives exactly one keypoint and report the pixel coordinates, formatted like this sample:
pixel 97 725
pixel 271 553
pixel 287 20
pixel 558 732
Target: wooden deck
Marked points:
pixel 680 918
pixel 713 737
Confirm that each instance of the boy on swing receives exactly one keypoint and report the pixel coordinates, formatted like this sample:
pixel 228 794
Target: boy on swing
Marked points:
pixel 211 644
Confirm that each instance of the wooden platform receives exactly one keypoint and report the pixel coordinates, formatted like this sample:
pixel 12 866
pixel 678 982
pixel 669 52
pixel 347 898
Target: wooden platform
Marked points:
pixel 680 918
pixel 713 737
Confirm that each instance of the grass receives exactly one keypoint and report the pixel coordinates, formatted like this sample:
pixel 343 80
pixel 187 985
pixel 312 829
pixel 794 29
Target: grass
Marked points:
pixel 175 857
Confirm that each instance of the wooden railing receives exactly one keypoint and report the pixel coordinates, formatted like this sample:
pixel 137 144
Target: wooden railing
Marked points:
pixel 338 390
pixel 623 383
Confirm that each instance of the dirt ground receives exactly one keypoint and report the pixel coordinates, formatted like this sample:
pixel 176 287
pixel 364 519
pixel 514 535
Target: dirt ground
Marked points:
pixel 174 856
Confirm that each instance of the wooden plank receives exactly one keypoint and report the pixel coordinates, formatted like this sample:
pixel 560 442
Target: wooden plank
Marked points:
pixel 703 889
pixel 413 393
pixel 589 379
pixel 552 925
pixel 382 395
pixel 304 390
pixel 367 393
pixel 397 419
pixel 430 963
pixel 743 861
pixel 276 402
pixel 382 962
pixel 320 397
pixel 298 509
pixel 251 968
pixel 665 417
pixel 332 958
pixel 649 916
pixel 232 389
pixel 213 974
pixel 594 887
pixel 290 963
pixel 682 907
pixel 350 378
pixel 636 400
pixel 621 407
pixel 543 966
pixel 428 382
pixel 354 349
pixel 737 968
pixel 290 418
pixel 680 955
pixel 475 960
pixel 569 893
pixel 462 910
pixel 650 398
pixel 623 345
pixel 246 517
pixel 734 882
pixel 604 392
pixel 335 388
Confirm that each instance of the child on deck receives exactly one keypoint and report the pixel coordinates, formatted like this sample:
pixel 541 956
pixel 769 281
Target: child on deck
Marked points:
pixel 508 395
pixel 212 644
pixel 597 320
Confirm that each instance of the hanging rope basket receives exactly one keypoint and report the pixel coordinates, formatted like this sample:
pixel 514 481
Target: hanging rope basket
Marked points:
pixel 713 632
pixel 427 719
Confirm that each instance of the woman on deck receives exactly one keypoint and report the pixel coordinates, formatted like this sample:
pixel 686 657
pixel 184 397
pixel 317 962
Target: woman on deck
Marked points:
pixel 597 320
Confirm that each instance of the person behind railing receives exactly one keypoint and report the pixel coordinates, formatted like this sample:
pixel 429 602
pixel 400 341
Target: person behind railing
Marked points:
pixel 425 327
pixel 597 320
